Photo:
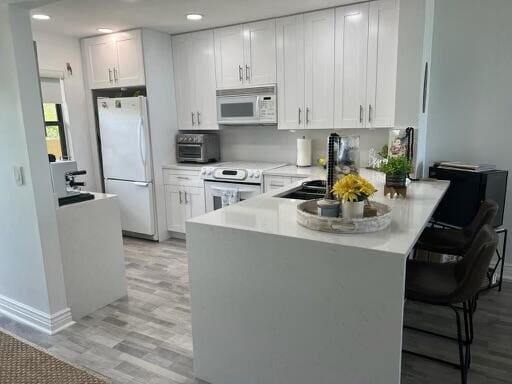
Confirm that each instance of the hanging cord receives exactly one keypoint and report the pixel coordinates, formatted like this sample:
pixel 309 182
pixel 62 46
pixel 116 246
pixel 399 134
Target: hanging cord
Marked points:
pixel 409 133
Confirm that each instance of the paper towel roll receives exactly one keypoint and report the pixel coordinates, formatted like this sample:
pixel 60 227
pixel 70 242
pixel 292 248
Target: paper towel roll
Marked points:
pixel 303 152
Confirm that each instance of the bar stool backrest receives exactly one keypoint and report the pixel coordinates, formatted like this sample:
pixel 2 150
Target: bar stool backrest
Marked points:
pixel 471 270
pixel 485 215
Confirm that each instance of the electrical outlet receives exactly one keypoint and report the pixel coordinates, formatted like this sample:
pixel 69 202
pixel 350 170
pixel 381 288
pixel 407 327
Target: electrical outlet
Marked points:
pixel 18 175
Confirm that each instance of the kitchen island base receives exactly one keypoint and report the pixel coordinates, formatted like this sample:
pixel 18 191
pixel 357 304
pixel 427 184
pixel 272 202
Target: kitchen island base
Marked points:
pixel 277 309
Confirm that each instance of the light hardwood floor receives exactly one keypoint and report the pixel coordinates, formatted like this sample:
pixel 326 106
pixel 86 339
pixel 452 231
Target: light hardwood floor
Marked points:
pixel 146 337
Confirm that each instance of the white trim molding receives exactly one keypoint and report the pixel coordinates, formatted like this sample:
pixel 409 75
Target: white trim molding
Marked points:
pixel 44 322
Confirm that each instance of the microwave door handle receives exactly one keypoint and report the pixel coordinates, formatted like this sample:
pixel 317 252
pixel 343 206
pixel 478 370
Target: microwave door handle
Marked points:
pixel 257 108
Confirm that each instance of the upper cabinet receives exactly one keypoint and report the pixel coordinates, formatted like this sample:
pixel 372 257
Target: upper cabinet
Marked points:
pixel 194 78
pixel 382 63
pixel 245 55
pixel 114 60
pixel 366 65
pixel 305 70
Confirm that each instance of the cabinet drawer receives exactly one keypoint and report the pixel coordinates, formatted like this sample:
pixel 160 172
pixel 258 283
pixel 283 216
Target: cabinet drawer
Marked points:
pixel 276 182
pixel 183 178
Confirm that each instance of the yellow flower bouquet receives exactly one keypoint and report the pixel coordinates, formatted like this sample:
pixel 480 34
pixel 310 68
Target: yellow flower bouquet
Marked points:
pixel 353 188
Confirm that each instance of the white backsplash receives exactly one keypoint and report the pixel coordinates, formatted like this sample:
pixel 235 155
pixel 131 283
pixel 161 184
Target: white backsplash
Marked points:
pixel 267 143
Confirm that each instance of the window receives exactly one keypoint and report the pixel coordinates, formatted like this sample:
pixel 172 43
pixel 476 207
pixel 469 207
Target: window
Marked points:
pixel 54 131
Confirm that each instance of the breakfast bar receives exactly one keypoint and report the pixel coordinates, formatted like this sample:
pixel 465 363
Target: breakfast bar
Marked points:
pixel 274 302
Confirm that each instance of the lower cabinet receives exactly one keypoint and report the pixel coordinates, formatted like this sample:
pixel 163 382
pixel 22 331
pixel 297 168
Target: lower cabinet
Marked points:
pixel 272 182
pixel 182 203
pixel 184 199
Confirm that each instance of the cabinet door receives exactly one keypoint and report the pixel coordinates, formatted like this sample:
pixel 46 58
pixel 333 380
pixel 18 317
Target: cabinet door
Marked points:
pixel 351 59
pixel 101 61
pixel 130 63
pixel 319 69
pixel 203 68
pixel 229 56
pixel 290 72
pixel 184 81
pixel 195 202
pixel 382 61
pixel 260 52
pixel 175 208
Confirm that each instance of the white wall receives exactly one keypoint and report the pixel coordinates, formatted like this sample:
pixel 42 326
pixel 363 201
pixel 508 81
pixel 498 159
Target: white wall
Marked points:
pixel 54 51
pixel 266 143
pixel 30 260
pixel 470 102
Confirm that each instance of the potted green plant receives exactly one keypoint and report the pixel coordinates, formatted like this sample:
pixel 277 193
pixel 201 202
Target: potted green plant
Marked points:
pixel 396 170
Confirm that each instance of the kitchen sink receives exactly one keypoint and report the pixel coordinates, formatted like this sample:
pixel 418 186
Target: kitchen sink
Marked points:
pixel 309 190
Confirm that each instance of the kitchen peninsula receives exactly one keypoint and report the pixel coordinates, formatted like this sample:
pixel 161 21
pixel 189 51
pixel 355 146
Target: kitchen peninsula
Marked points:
pixel 274 302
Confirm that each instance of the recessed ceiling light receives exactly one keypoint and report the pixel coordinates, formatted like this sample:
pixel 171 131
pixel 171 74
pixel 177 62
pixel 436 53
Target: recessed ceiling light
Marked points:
pixel 105 30
pixel 41 17
pixel 194 16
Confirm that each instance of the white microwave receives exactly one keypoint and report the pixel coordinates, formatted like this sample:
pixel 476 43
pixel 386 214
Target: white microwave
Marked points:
pixel 247 106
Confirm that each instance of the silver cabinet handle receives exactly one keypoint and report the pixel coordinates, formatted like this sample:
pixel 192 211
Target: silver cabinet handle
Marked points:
pixel 370 113
pixel 247 72
pixel 361 114
pixel 198 118
pixel 182 178
pixel 181 200
pixel 116 79
pixel 300 111
pixel 186 198
pixel 240 73
pixel 193 121
pixel 110 75
pixel 307 115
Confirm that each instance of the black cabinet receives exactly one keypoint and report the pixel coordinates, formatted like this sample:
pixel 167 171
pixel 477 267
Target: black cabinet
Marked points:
pixel 467 190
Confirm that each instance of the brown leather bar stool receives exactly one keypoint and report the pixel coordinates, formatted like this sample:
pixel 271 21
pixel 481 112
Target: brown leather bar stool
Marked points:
pixel 457 241
pixel 455 286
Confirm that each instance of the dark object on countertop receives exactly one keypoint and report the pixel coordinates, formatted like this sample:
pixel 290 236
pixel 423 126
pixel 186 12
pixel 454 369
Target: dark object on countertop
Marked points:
pixel 466 192
pixel 454 286
pixel 84 196
pixel 52 158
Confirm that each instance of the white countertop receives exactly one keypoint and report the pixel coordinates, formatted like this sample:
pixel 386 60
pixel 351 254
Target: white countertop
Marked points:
pixel 294 171
pixel 273 215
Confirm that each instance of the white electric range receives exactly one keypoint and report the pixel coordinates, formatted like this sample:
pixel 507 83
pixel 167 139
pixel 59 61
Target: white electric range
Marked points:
pixel 229 182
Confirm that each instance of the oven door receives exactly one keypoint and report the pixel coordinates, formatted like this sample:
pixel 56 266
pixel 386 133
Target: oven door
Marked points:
pixel 190 152
pixel 237 110
pixel 215 190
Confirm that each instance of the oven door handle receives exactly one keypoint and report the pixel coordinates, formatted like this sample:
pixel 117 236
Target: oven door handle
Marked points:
pixel 220 189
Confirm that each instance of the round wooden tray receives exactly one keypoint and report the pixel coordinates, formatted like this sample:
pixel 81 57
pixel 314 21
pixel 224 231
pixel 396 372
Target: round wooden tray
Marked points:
pixel 307 216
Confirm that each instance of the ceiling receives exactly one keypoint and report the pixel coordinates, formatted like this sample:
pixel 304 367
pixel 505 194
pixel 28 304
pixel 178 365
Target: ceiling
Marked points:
pixel 81 18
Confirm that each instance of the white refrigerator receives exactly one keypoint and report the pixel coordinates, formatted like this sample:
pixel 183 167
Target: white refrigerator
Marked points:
pixel 127 164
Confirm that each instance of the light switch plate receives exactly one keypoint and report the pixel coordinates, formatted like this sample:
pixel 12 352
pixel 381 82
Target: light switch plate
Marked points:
pixel 18 175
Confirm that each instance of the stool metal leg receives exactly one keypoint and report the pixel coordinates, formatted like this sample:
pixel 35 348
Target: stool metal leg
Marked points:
pixel 503 253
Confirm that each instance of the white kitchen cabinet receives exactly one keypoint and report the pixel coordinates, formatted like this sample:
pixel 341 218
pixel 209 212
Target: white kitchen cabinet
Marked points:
pixel 351 63
pixel 184 197
pixel 305 62
pixel 290 71
pixel 273 182
pixel 382 63
pixel 175 209
pixel 194 73
pixel 194 201
pixel 366 65
pixel 245 55
pixel 114 60
pixel 319 69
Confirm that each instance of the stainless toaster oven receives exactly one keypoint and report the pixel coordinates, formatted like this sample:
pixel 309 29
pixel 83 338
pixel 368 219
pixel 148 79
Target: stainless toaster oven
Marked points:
pixel 197 147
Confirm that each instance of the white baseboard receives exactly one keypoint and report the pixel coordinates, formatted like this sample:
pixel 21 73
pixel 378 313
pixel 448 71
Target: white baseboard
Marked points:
pixel 44 322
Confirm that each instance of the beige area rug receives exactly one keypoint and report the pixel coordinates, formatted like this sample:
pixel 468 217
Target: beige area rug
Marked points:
pixel 23 363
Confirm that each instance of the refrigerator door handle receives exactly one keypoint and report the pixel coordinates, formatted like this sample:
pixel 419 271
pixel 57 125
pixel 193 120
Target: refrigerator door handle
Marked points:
pixel 142 143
